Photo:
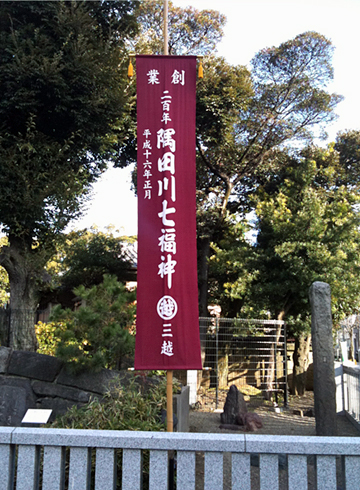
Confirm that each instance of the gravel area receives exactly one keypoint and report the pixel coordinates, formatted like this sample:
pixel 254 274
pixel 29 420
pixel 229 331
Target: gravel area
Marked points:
pixel 297 419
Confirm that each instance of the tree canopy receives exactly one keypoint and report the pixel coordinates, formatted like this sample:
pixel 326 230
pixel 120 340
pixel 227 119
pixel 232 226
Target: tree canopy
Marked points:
pixel 307 229
pixel 82 259
pixel 307 224
pixel 191 31
pixel 284 102
pixel 288 102
pixel 62 99
pixel 62 96
pixel 98 334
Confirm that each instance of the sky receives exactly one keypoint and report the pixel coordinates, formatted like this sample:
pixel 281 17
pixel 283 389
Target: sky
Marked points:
pixel 253 25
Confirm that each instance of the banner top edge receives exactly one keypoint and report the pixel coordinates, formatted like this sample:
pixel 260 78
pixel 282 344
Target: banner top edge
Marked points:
pixel 171 56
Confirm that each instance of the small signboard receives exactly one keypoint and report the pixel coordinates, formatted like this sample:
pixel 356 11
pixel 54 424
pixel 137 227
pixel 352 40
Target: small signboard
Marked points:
pixel 36 416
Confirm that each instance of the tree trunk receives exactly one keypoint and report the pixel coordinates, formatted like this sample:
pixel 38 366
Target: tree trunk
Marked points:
pixel 223 371
pixel 204 252
pixel 17 259
pixel 352 347
pixel 270 374
pixel 301 364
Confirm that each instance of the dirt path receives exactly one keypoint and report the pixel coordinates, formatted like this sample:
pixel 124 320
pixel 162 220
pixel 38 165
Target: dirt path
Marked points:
pixel 297 419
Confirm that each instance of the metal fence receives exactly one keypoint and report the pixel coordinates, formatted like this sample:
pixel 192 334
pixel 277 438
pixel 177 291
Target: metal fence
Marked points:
pixel 245 352
pixel 351 392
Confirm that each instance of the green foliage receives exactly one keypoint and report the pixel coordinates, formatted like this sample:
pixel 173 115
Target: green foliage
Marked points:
pixel 49 336
pixel 229 275
pixel 63 107
pixel 308 230
pixel 222 94
pixel 252 329
pixel 292 80
pixel 122 408
pixel 98 334
pixel 4 280
pixel 82 258
pixel 348 146
pixel 286 101
pixel 190 31
pixel 62 97
pixel 89 254
pixel 245 129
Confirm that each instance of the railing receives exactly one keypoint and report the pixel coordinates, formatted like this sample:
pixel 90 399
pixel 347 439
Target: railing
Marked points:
pixel 86 459
pixel 351 392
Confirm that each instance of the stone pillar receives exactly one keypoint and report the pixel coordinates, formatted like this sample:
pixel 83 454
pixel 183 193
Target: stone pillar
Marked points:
pixel 323 352
pixel 192 384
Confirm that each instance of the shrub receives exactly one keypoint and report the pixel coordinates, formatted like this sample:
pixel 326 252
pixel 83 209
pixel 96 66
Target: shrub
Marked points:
pixel 49 336
pixel 96 335
pixel 134 407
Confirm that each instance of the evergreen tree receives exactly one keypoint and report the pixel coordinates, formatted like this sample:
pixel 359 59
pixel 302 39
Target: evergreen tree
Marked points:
pixel 82 259
pixel 308 230
pixel 98 334
pixel 62 104
pixel 286 102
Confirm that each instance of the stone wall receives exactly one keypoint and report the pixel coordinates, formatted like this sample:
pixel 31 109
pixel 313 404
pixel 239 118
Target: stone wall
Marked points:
pixel 31 380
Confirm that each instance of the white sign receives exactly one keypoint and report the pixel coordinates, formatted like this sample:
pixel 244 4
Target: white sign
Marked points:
pixel 36 416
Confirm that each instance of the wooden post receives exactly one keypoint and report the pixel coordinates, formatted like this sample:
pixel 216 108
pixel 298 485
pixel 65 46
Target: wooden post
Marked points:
pixel 169 401
pixel 170 425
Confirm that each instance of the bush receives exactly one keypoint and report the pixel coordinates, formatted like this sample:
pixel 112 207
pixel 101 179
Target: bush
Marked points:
pixel 134 407
pixel 49 336
pixel 98 334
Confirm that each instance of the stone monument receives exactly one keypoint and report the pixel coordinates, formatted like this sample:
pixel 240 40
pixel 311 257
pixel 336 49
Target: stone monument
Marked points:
pixel 234 406
pixel 12 405
pixel 323 353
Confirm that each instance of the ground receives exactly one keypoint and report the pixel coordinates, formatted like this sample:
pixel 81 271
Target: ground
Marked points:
pixel 297 419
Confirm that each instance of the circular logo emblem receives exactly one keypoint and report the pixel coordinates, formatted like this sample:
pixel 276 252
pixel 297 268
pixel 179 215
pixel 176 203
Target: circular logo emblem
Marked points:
pixel 167 308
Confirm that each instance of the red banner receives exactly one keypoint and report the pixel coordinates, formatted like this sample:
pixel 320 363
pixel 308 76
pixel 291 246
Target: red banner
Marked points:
pixel 167 322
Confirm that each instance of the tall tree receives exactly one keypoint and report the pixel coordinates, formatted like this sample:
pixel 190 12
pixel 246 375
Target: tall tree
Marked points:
pixel 347 144
pixel 191 31
pixel 62 97
pixel 308 230
pixel 289 103
pixel 82 259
